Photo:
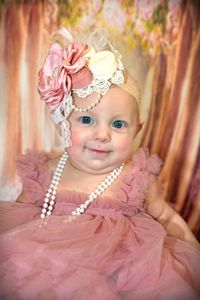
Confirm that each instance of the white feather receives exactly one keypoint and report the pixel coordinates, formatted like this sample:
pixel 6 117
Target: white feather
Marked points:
pixel 66 34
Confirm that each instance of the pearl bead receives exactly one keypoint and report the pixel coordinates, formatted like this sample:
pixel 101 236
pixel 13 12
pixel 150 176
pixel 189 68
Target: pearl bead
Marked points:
pixel 85 206
pixel 61 164
pixel 50 207
pixel 48 213
pixel 44 210
pixel 58 173
pixel 52 202
pixel 45 205
pixel 92 199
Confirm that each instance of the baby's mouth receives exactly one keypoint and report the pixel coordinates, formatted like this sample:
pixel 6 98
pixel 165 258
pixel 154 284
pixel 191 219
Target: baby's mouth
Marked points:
pixel 98 151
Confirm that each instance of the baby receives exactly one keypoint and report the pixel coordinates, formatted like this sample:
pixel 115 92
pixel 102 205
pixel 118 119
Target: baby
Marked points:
pixel 105 231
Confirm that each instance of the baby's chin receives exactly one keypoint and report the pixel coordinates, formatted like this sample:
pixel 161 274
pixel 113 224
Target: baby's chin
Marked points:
pixel 95 168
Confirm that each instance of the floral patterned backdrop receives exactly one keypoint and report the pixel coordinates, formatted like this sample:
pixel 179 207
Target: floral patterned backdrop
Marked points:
pixel 160 41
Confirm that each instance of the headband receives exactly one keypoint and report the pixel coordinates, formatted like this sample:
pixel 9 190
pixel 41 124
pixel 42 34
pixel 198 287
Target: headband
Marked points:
pixel 79 68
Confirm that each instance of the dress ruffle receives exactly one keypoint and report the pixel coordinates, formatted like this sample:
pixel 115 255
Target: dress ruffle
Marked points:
pixel 135 184
pixel 35 176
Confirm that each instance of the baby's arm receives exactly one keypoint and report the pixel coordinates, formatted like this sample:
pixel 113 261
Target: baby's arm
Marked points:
pixel 160 210
pixel 21 198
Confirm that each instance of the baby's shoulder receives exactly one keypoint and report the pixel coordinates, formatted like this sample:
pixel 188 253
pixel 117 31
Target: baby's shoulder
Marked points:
pixel 144 161
pixel 33 160
pixel 52 160
pixel 35 168
pixel 138 175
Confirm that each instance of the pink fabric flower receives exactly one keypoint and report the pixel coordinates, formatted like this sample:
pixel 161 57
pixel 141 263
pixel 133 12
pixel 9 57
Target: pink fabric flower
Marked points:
pixel 63 70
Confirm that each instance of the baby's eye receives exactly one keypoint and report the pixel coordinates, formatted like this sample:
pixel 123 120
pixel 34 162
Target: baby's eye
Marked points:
pixel 119 124
pixel 86 120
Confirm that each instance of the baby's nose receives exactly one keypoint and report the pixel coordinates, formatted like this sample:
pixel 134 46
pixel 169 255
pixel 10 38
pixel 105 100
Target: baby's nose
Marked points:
pixel 102 134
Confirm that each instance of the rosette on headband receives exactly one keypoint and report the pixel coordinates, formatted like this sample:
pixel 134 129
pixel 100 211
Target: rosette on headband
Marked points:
pixel 63 70
pixel 81 69
pixel 107 69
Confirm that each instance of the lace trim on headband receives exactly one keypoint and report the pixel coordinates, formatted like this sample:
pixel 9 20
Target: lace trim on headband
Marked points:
pixel 59 115
pixel 66 133
pixel 102 86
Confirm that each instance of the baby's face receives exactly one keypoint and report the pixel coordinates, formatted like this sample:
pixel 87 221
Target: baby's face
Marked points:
pixel 102 137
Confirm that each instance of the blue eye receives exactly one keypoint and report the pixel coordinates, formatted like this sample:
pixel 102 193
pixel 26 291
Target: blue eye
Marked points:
pixel 86 120
pixel 118 124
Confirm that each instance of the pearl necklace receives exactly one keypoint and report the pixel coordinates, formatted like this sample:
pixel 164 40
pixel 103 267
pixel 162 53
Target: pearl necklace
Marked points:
pixel 49 200
pixel 89 107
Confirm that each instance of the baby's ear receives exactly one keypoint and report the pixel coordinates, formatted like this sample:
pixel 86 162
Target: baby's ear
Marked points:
pixel 139 126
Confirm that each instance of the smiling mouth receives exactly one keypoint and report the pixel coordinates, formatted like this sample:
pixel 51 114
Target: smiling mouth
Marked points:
pixel 98 151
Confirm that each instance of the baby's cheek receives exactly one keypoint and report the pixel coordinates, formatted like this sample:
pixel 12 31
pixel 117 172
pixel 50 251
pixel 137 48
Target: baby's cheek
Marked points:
pixel 123 145
pixel 76 137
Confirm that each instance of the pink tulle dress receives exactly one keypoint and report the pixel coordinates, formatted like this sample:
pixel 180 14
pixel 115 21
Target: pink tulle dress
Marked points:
pixel 115 250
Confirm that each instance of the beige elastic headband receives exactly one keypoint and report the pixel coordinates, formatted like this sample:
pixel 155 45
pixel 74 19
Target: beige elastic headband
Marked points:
pixel 131 86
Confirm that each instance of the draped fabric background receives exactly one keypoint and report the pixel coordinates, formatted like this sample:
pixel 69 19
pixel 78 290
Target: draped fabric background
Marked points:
pixel 161 43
